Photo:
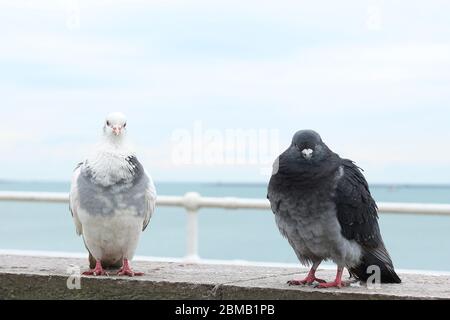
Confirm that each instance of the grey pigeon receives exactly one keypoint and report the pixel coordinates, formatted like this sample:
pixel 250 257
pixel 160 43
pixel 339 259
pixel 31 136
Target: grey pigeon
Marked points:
pixel 112 199
pixel 323 206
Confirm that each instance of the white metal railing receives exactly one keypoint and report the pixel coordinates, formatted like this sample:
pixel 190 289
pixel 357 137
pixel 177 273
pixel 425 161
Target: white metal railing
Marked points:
pixel 192 202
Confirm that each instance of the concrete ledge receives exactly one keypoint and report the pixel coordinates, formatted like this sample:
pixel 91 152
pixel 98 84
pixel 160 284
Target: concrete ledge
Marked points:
pixel 25 277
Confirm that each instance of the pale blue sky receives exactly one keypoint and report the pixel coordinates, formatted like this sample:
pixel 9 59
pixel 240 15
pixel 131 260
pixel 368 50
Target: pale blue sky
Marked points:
pixel 373 77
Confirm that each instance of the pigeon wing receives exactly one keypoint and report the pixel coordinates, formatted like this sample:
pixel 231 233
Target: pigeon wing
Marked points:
pixel 74 199
pixel 137 169
pixel 357 214
pixel 356 209
pixel 150 199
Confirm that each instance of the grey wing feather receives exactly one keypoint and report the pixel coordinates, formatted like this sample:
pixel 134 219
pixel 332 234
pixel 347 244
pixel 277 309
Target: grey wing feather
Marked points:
pixel 150 198
pixel 357 214
pixel 356 209
pixel 74 200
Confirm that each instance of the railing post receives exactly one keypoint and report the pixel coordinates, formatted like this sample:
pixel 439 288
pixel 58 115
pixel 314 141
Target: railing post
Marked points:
pixel 191 203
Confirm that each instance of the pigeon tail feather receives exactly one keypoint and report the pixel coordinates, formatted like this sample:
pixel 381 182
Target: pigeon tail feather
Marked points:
pixel 375 257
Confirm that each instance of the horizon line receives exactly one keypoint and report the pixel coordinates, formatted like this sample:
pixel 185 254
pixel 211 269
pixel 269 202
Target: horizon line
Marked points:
pixel 241 183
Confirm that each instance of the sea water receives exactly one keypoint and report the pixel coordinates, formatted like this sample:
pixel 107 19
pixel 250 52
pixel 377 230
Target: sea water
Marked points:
pixel 414 241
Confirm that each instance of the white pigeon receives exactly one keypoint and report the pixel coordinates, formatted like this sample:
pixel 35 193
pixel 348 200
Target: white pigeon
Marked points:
pixel 112 199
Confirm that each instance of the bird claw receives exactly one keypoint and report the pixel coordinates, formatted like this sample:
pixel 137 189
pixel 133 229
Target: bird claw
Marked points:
pixel 126 271
pixel 334 284
pixel 95 273
pixel 307 281
pixel 130 273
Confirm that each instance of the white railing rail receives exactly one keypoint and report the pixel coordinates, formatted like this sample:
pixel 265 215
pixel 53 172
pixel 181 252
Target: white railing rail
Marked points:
pixel 192 202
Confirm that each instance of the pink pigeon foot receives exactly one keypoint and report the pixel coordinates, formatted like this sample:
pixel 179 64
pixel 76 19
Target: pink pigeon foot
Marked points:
pixel 338 283
pixel 97 271
pixel 307 281
pixel 310 278
pixel 127 271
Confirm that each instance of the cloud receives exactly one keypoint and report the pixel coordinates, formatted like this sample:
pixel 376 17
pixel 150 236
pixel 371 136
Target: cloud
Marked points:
pixel 375 95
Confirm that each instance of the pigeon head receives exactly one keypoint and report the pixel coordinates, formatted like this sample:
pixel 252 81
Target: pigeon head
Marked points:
pixel 308 158
pixel 309 146
pixel 115 125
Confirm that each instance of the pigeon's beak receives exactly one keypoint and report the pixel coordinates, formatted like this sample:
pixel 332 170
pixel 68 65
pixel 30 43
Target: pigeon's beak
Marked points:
pixel 117 130
pixel 307 153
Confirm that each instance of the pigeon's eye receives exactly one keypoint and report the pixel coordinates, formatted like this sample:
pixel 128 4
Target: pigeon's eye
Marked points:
pixel 108 123
pixel 124 125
